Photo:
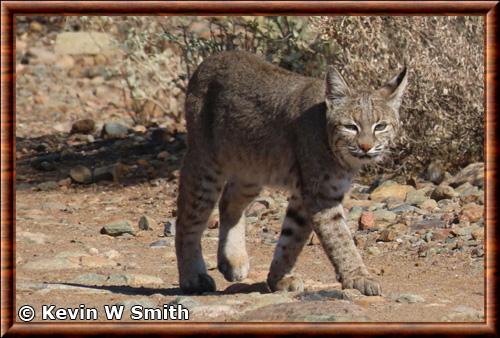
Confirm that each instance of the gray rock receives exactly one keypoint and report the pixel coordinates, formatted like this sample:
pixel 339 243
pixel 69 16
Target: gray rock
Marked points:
pixel 417 197
pixel 114 130
pixel 81 174
pixel 403 208
pixel 169 228
pixel 47 186
pixel 117 228
pixel 142 301
pixel 186 301
pixel 146 223
pixel 409 298
pixel 473 174
pixel 384 215
pixel 93 279
pixel 355 213
pixel 161 243
pixel 321 295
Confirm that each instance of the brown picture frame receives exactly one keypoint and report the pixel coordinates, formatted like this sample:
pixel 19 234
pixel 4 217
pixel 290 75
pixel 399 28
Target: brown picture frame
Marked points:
pixel 10 9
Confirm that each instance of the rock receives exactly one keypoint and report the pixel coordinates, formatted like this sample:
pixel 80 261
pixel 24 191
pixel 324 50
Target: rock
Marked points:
pixel 368 301
pixel 85 126
pixel 435 172
pixel 376 206
pixel 117 228
pixel 360 241
pixel 213 311
pixel 72 254
pixel 448 205
pixel 373 250
pixel 186 301
pixel 409 298
pixel 93 251
pixel 463 314
pixel 35 26
pixel 161 243
pixel 472 212
pixel 93 279
pixel 146 223
pixel 112 254
pixel 256 209
pixel 387 235
pixel 477 252
pixel 442 192
pixel 321 295
pixel 403 208
pixel 96 262
pixel 137 280
pixel 81 174
pixel 395 191
pixel 467 189
pixel 478 234
pixel 47 186
pixel 77 43
pixel 142 301
pixel 429 205
pixel 169 228
pixel 32 237
pixel 416 197
pixel 51 264
pixel 367 221
pixel 355 213
pixel 384 215
pixel 114 130
pixel 473 174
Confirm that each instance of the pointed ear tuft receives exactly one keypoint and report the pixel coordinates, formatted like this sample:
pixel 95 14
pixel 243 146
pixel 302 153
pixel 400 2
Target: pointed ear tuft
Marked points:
pixel 336 87
pixel 394 89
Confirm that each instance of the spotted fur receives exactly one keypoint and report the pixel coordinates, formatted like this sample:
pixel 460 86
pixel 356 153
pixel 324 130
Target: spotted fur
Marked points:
pixel 251 124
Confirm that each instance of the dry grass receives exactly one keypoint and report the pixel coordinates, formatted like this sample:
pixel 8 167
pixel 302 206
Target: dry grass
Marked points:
pixel 443 112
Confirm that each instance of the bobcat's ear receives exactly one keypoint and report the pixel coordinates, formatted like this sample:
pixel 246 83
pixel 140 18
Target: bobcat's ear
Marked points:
pixel 393 90
pixel 336 87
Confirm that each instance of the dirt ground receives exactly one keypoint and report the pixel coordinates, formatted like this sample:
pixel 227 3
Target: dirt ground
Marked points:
pixel 63 259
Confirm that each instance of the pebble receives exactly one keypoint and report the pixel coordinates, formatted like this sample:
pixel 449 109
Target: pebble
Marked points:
pixel 169 228
pixel 429 205
pixel 81 174
pixel 367 221
pixel 409 298
pixel 161 243
pixel 416 197
pixel 47 186
pixel 85 126
pixel 186 301
pixel 443 191
pixel 394 191
pixel 373 250
pixel 355 213
pixel 387 235
pixel 112 254
pixel 117 228
pixel 93 251
pixel 384 215
pixel 142 301
pixel 114 130
pixel 478 234
pixel 472 212
pixel 146 223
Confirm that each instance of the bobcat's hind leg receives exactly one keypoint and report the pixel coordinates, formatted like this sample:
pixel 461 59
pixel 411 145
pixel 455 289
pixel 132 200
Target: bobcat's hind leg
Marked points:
pixel 232 255
pixel 294 235
pixel 200 186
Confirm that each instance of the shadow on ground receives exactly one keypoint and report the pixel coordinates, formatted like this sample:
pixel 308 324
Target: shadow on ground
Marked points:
pixel 142 156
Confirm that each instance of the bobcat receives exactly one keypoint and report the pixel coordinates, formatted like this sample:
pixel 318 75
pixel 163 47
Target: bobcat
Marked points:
pixel 252 124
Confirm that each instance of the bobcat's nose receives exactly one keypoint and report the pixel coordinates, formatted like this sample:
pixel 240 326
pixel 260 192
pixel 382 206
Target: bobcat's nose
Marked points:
pixel 365 147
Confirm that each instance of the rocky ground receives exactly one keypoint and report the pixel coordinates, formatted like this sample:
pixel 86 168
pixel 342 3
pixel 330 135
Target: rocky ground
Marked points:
pixel 95 214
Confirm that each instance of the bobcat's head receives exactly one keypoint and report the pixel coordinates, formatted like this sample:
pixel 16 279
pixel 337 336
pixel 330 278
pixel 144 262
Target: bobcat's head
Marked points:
pixel 361 125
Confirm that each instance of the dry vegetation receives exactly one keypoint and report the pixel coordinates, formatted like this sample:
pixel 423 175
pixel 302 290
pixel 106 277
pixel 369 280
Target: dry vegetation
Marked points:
pixel 442 114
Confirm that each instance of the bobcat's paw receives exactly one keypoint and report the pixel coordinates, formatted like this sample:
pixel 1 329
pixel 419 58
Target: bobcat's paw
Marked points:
pixel 234 269
pixel 365 283
pixel 290 283
pixel 199 284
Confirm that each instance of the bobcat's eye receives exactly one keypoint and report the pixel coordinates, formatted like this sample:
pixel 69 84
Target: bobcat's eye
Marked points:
pixel 351 127
pixel 380 126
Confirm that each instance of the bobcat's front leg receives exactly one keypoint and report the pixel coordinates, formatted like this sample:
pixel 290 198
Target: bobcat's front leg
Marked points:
pixel 335 237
